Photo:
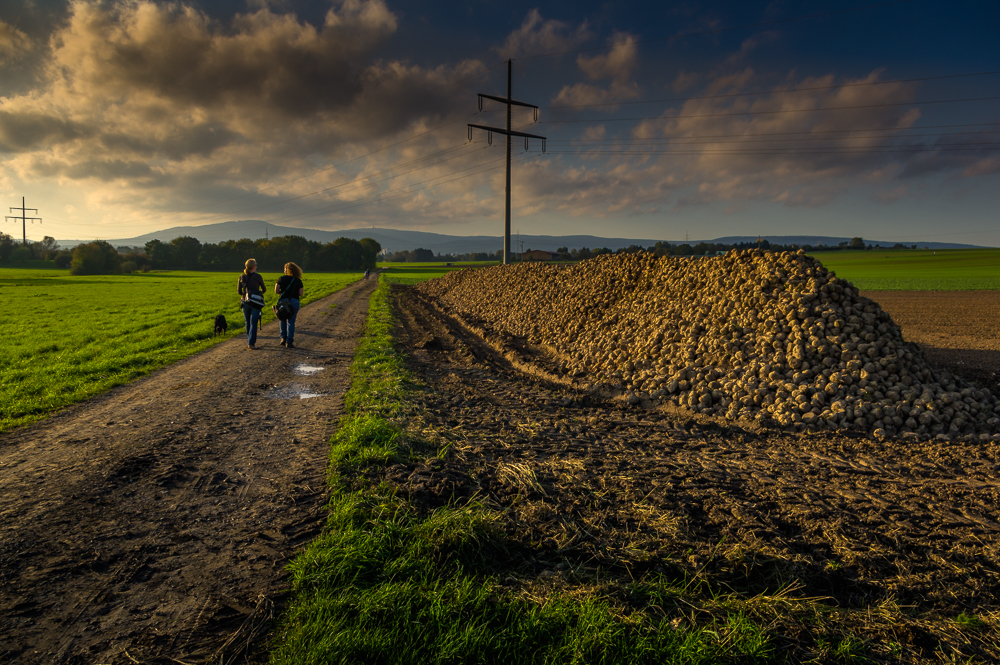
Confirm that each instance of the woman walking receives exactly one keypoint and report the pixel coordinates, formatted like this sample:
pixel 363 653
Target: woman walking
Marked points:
pixel 251 289
pixel 290 288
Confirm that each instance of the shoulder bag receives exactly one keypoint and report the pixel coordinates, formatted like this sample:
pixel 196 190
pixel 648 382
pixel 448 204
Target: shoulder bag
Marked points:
pixel 283 310
pixel 256 300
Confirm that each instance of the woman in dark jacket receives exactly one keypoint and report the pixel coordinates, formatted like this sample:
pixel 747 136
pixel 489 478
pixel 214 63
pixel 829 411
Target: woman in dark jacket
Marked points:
pixel 251 284
pixel 290 288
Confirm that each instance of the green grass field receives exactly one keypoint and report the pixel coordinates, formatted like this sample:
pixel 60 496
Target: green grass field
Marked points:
pixel 917 270
pixel 69 338
pixel 414 273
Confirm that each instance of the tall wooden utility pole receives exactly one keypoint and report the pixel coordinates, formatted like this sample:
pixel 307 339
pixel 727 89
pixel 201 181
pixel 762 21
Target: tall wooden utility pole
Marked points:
pixel 24 220
pixel 509 133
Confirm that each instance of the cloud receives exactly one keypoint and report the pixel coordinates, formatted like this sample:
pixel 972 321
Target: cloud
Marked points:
pixel 537 35
pixel 155 94
pixel 751 44
pixel 892 195
pixel 784 147
pixel 14 44
pixel 984 166
pixel 617 65
pixel 26 130
pixel 174 53
pixel 789 148
pixel 684 81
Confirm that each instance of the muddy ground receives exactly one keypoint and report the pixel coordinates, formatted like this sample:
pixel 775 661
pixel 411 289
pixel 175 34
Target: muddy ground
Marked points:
pixel 904 530
pixel 152 524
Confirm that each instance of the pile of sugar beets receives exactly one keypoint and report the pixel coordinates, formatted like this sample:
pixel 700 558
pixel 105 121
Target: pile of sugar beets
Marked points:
pixel 772 337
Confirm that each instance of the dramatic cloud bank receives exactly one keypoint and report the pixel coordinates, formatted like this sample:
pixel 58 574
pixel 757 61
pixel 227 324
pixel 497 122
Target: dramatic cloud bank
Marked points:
pixel 133 115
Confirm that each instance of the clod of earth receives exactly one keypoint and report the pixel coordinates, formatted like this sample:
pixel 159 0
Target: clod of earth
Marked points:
pixel 772 337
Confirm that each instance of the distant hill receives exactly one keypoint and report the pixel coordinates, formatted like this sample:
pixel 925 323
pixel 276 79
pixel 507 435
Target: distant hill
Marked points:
pixel 397 240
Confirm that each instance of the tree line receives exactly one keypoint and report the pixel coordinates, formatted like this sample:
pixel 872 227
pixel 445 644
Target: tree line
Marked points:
pixel 187 253
pixel 660 249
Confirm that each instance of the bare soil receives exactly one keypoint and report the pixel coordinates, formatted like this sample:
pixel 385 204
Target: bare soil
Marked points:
pixel 904 530
pixel 958 330
pixel 153 524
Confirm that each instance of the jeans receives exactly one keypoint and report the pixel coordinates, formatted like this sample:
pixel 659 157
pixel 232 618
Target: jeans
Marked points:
pixel 288 326
pixel 251 315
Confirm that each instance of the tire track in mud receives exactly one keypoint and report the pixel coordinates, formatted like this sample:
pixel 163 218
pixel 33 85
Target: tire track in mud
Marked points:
pixel 626 489
pixel 152 524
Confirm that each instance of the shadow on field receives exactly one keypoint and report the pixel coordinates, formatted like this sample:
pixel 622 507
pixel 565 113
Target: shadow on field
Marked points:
pixel 979 365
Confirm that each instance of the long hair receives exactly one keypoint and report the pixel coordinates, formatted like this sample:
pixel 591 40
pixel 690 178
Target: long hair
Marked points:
pixel 251 263
pixel 293 270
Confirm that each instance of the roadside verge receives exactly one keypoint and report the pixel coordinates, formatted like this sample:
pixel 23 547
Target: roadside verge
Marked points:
pixel 390 582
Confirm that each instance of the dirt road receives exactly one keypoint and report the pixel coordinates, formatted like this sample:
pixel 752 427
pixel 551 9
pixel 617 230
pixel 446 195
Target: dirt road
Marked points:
pixel 152 524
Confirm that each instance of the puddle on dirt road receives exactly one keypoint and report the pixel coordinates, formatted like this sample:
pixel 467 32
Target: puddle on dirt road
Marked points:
pixel 291 391
pixel 306 370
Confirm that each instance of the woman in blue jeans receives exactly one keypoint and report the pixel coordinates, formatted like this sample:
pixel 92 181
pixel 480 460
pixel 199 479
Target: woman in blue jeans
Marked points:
pixel 251 288
pixel 290 288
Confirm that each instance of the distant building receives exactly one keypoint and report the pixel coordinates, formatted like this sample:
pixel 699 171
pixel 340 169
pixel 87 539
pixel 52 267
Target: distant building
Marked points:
pixel 539 255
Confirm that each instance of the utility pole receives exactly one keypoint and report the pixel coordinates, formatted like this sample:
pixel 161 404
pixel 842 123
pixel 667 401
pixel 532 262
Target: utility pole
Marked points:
pixel 24 220
pixel 508 132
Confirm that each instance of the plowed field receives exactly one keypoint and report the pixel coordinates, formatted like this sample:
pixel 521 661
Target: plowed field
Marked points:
pixel 600 488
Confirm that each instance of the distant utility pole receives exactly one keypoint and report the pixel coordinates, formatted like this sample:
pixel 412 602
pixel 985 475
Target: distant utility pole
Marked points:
pixel 24 220
pixel 509 133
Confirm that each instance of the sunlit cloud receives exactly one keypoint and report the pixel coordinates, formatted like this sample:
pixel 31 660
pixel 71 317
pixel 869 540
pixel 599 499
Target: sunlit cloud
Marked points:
pixel 538 35
pixel 14 44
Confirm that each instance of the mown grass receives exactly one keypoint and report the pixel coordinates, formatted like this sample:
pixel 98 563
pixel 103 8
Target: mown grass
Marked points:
pixel 68 338
pixel 414 273
pixel 917 270
pixel 386 584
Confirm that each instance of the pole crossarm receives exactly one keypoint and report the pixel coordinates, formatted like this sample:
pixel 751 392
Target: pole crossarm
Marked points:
pixel 503 100
pixel 507 133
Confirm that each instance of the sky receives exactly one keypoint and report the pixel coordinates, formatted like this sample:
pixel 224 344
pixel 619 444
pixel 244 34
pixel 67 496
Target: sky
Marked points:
pixel 664 120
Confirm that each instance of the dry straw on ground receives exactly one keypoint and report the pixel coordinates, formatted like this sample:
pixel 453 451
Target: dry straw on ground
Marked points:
pixel 772 337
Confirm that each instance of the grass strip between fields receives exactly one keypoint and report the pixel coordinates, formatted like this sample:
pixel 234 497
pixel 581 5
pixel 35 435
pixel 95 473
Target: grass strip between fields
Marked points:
pixel 385 584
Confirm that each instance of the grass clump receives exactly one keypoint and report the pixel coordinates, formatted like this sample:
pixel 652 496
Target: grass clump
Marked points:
pixel 387 582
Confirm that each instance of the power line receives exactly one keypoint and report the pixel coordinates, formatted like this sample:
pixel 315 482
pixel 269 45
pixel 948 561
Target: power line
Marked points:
pixel 770 92
pixel 370 178
pixel 301 196
pixel 403 191
pixel 779 151
pixel 826 108
pixel 702 141
pixel 707 138
pixel 716 31
pixel 309 175
pixel 336 206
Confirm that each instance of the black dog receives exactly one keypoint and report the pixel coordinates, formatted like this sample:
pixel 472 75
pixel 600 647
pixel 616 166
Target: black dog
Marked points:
pixel 220 325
